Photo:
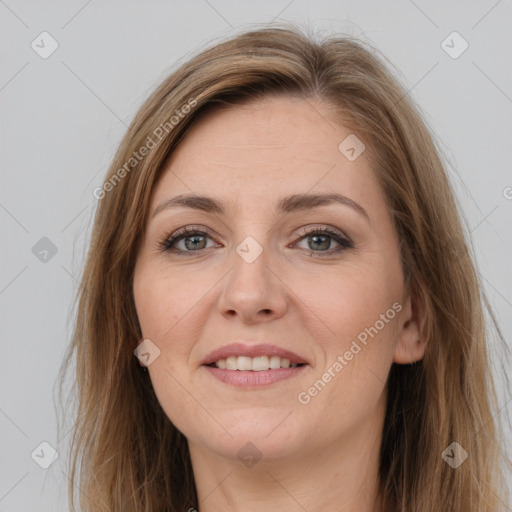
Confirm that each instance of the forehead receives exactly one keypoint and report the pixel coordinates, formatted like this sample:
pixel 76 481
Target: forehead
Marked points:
pixel 276 126
pixel 268 147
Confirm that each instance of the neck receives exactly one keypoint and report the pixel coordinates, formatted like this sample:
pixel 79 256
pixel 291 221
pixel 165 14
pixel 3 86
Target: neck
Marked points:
pixel 342 476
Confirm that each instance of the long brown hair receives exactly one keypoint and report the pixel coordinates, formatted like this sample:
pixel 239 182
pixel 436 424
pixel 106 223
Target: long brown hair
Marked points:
pixel 126 454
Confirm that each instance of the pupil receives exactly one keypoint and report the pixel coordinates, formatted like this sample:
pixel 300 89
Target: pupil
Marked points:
pixel 326 242
pixel 195 243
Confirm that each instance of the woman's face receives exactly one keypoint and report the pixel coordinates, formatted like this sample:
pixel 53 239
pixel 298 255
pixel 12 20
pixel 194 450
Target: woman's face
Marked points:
pixel 265 262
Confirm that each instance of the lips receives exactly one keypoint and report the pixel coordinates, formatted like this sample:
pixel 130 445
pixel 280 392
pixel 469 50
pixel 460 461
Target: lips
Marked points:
pixel 230 365
pixel 252 351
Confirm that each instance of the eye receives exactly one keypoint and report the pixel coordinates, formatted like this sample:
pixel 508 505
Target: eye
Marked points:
pixel 194 239
pixel 321 239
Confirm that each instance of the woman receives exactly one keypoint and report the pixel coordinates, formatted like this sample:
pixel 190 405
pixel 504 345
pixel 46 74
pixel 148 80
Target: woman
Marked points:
pixel 278 245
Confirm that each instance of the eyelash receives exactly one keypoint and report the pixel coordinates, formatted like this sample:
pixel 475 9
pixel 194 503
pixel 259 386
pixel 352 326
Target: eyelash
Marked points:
pixel 166 244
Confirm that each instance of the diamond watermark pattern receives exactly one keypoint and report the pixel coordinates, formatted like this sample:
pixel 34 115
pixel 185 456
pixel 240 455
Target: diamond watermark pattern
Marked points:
pixel 44 45
pixel 44 250
pixel 44 455
pixel 454 45
pixel 351 147
pixel 249 249
pixel 249 455
pixel 454 455
pixel 147 352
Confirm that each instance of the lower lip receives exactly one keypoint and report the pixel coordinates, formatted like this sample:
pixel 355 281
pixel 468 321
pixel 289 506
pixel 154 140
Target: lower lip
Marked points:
pixel 251 379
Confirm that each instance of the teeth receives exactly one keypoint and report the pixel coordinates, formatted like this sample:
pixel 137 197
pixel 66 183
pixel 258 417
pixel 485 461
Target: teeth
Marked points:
pixel 231 363
pixel 259 363
pixel 256 364
pixel 244 363
pixel 275 362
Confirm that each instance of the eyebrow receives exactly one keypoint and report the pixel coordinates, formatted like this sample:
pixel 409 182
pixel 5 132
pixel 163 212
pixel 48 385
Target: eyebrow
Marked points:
pixel 291 203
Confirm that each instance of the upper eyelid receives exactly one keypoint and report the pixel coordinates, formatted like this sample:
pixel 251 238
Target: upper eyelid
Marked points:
pixel 323 227
pixel 191 228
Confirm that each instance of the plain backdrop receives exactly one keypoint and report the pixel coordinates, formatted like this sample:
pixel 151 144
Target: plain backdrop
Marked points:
pixel 63 114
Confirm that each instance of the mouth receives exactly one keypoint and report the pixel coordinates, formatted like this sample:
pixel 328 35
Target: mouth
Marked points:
pixel 254 364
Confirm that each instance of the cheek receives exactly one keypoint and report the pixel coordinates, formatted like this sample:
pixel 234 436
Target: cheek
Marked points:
pixel 164 309
pixel 345 302
pixel 357 307
pixel 169 314
pixel 164 300
pixel 350 382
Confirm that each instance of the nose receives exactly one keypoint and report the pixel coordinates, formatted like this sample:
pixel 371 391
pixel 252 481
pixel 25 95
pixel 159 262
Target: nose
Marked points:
pixel 253 291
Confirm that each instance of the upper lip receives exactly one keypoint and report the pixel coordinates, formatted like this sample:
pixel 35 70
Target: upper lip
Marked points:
pixel 241 349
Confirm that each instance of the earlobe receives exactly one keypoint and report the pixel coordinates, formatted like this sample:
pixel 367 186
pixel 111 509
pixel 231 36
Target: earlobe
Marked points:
pixel 409 353
pixel 411 335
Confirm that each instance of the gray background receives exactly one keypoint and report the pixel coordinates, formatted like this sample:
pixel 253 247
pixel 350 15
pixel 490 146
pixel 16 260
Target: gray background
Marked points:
pixel 62 117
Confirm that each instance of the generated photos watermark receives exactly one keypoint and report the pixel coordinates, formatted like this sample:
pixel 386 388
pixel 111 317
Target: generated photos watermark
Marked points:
pixel 158 134
pixel 342 360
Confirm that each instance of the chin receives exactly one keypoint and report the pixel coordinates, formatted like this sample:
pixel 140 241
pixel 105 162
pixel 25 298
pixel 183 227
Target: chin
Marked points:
pixel 261 435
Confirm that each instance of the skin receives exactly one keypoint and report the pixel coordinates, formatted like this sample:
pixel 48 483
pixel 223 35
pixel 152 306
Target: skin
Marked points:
pixel 322 455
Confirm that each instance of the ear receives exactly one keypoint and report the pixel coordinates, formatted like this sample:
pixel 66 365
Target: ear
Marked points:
pixel 411 333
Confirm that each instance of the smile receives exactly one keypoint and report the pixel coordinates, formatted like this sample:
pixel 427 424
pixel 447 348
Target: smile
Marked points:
pixel 255 364
pixel 237 373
